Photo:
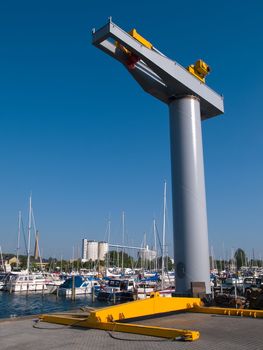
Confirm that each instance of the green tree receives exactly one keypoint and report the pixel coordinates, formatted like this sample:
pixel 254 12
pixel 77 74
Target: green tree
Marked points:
pixel 115 259
pixel 240 257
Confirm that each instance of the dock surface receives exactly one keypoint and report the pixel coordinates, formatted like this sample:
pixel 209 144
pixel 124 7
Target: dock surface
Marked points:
pixel 216 332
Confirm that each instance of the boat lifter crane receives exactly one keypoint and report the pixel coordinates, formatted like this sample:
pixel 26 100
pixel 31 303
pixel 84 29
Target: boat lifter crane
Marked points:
pixel 189 100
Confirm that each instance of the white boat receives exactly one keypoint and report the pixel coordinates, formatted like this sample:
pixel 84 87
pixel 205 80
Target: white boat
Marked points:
pixel 52 281
pixel 24 282
pixel 113 273
pixel 3 280
pixel 82 286
pixel 117 290
pixel 144 289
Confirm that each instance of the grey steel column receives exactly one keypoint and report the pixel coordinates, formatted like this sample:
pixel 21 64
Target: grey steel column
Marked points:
pixel 188 194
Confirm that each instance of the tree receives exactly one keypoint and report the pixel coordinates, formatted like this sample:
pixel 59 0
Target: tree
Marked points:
pixel 115 259
pixel 240 257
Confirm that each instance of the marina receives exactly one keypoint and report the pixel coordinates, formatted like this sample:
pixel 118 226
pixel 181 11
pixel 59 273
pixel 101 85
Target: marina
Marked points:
pixel 17 305
pixel 115 137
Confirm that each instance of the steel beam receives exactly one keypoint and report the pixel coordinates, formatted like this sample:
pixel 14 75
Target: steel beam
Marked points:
pixel 106 318
pixel 140 308
pixel 170 333
pixel 228 311
pixel 171 73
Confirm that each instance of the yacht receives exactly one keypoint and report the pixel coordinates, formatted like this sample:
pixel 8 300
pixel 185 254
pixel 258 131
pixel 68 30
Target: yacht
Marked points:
pixel 117 290
pixel 26 282
pixel 3 280
pixel 52 281
pixel 82 286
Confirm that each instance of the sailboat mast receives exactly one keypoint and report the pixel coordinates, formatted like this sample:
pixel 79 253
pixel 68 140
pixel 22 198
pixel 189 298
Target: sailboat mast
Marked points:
pixel 2 259
pixel 155 243
pixel 108 238
pixel 29 232
pixel 164 229
pixel 122 252
pixel 18 237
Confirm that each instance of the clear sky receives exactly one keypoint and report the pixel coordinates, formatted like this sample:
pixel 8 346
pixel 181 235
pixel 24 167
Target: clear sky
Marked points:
pixel 78 131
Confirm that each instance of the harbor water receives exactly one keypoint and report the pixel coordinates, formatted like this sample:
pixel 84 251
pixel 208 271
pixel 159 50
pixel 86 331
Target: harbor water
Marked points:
pixel 22 304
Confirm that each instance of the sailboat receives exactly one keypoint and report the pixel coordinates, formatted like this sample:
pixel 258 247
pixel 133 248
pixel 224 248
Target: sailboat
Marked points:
pixel 168 279
pixel 26 281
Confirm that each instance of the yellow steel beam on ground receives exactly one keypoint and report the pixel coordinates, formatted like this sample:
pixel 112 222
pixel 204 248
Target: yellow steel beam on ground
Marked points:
pixel 140 308
pixel 78 321
pixel 106 318
pixel 228 311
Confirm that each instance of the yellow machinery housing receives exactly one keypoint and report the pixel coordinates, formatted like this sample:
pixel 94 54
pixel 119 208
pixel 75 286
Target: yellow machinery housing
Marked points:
pixel 200 70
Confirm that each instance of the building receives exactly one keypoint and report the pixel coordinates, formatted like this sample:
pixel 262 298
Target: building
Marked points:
pixel 84 250
pixel 147 254
pixel 103 250
pixel 94 250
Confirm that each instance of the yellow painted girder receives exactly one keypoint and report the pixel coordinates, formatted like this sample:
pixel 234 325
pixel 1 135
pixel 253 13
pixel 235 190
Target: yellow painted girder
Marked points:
pixel 137 37
pixel 151 306
pixel 78 321
pixel 106 318
pixel 228 311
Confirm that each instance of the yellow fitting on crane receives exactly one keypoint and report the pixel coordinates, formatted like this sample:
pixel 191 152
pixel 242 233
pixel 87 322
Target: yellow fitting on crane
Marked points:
pixel 140 38
pixel 137 37
pixel 200 70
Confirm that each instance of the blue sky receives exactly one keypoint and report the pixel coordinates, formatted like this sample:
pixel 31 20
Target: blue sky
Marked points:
pixel 79 133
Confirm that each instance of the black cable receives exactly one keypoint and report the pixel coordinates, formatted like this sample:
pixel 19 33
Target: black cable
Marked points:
pixel 144 340
pixel 64 326
pixel 36 322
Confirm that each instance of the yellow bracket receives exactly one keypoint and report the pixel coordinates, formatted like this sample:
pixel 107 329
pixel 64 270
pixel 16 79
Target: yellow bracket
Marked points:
pixel 107 318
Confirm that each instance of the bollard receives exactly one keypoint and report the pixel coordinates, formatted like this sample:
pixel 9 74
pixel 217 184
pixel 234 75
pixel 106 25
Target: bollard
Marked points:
pixel 73 288
pixel 236 293
pixel 136 293
pixel 93 293
pixel 114 298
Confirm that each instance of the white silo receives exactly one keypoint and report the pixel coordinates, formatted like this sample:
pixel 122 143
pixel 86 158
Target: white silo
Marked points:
pixel 84 249
pixel 103 250
pixel 92 250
